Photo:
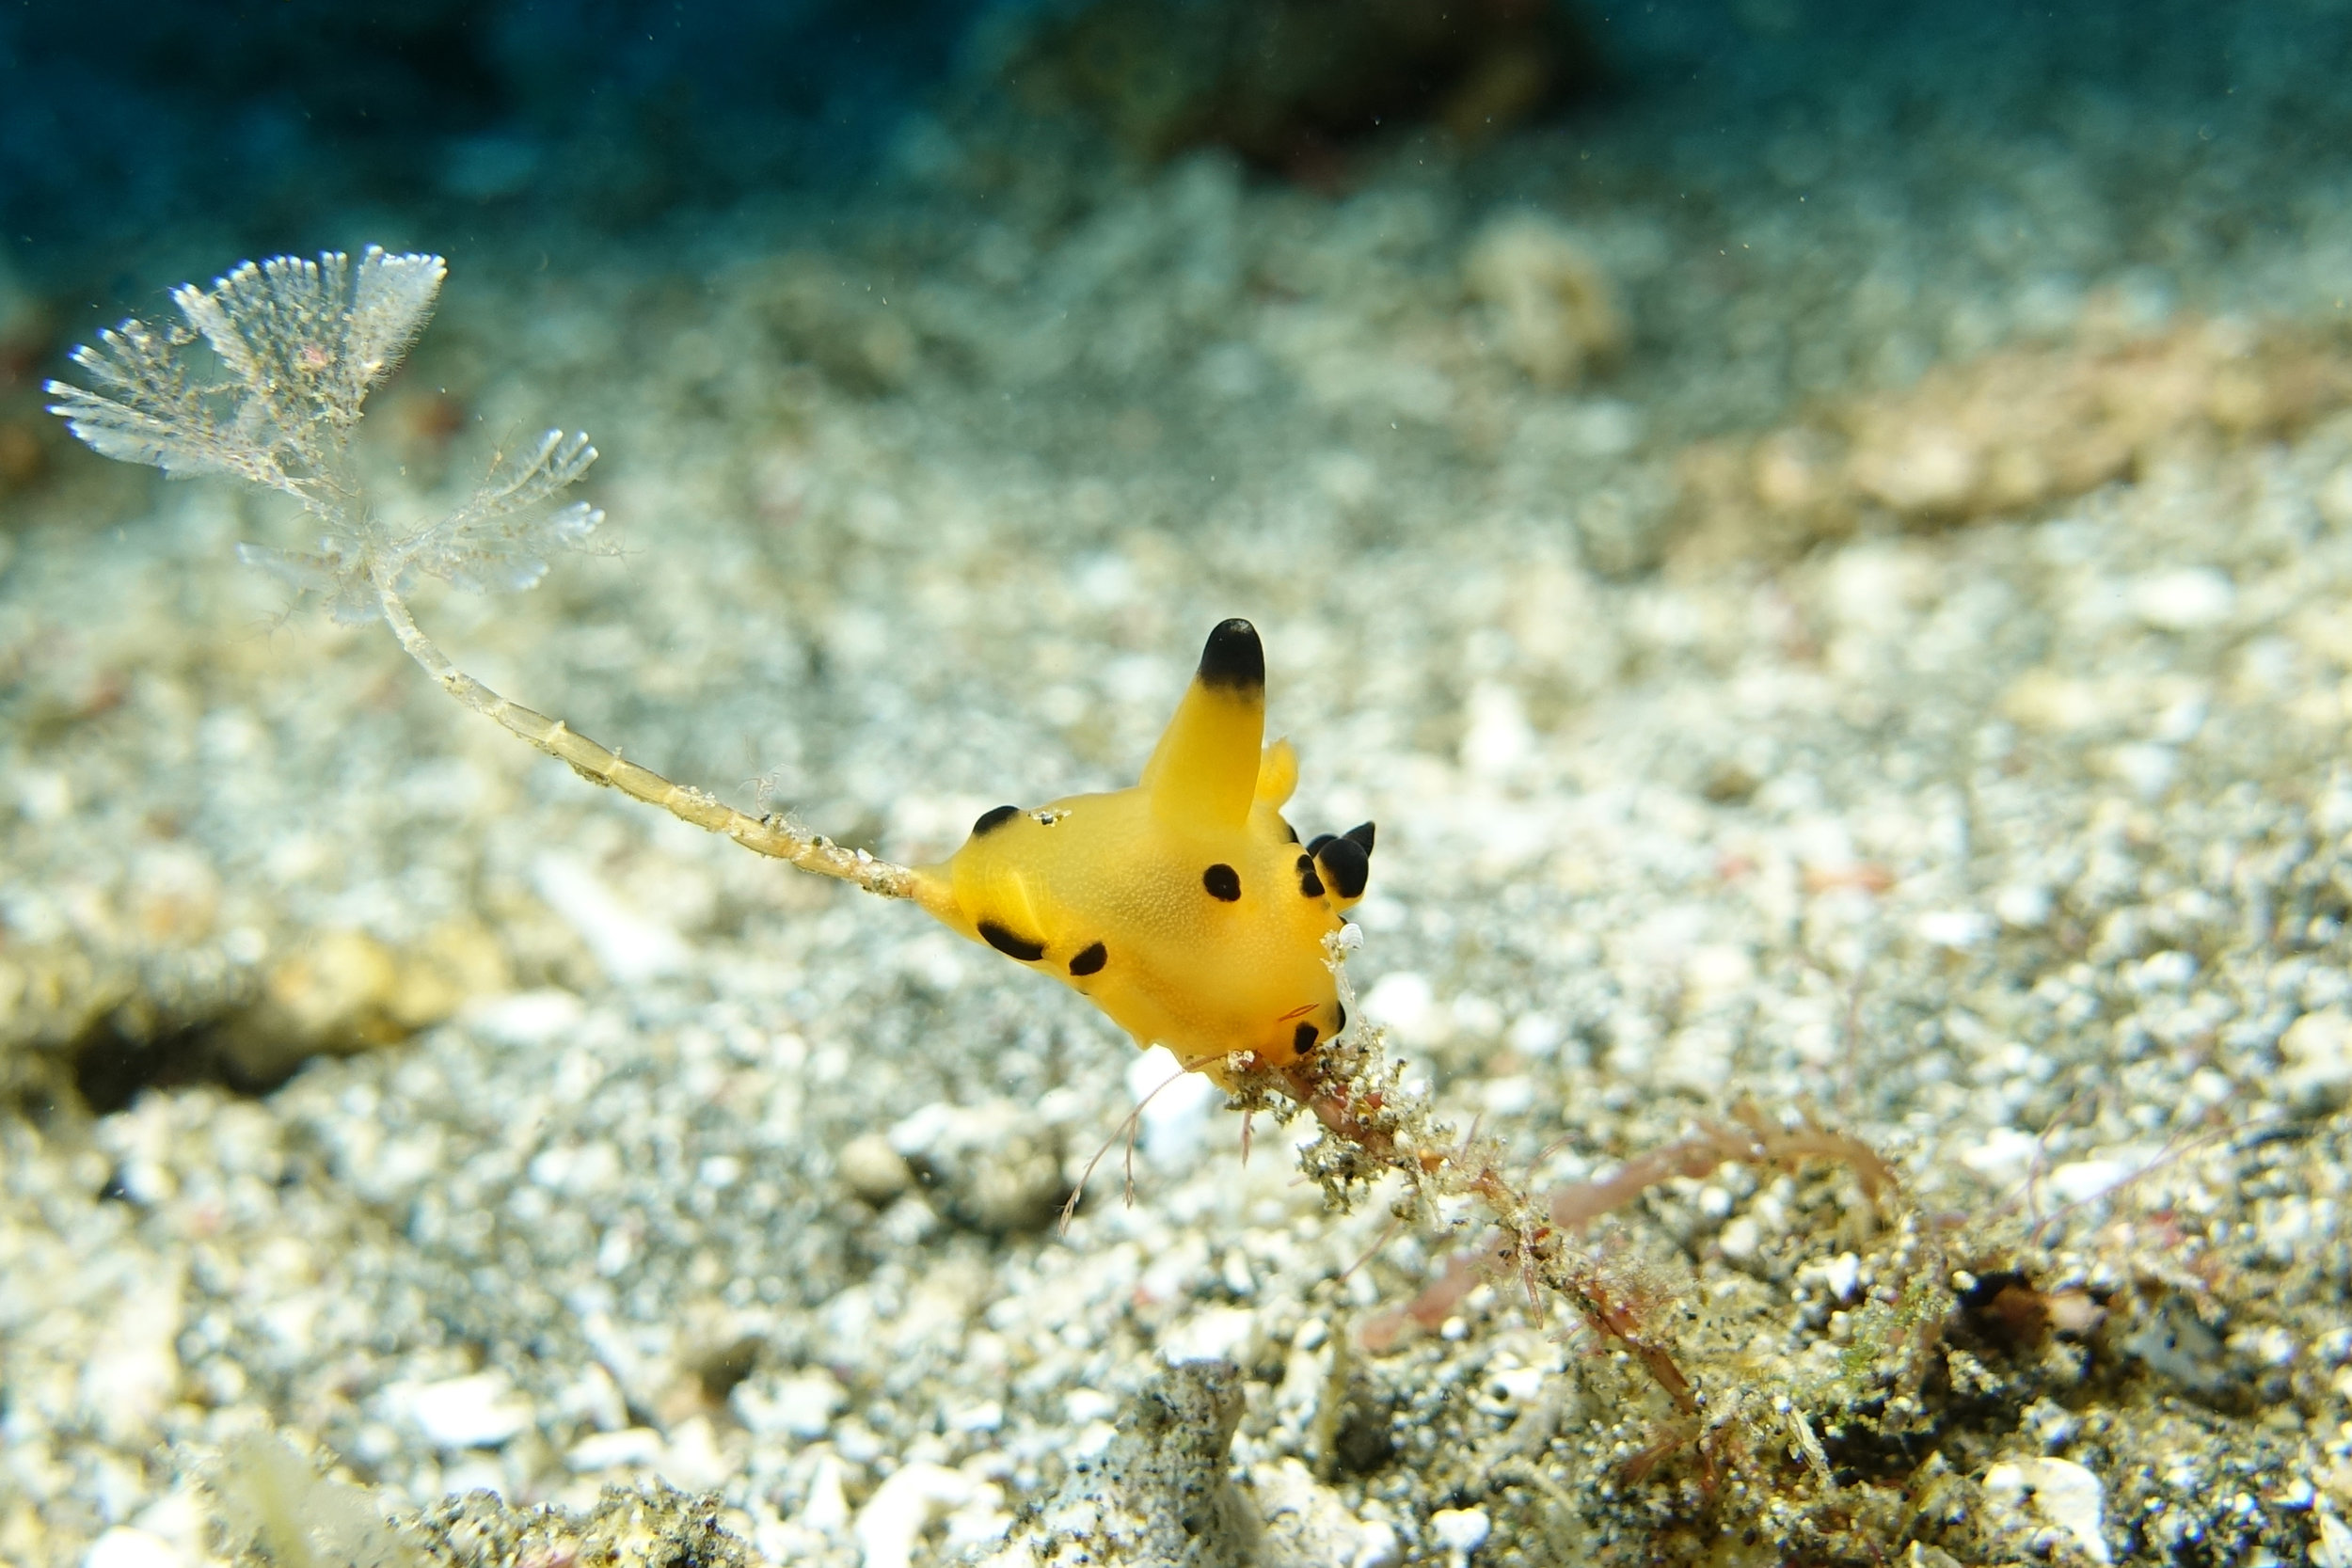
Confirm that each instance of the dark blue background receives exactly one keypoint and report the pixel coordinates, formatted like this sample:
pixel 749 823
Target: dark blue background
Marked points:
pixel 264 123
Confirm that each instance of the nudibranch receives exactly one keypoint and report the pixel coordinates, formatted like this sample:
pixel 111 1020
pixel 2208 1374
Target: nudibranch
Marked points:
pixel 1185 907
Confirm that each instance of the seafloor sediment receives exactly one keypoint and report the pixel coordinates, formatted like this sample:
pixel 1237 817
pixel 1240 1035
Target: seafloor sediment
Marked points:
pixel 1752 714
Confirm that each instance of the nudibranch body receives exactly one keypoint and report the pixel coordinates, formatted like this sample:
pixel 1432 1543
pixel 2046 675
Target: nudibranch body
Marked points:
pixel 1185 907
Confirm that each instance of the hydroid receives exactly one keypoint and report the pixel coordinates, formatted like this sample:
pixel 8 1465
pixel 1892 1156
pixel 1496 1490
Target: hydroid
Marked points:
pixel 264 378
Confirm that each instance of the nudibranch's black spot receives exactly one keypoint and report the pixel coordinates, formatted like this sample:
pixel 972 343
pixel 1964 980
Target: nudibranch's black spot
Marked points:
pixel 1342 1008
pixel 1347 865
pixel 1304 1040
pixel 1314 845
pixel 1223 882
pixel 1310 885
pixel 1010 946
pixel 996 816
pixel 1233 660
pixel 1288 832
pixel 1090 960
pixel 1361 832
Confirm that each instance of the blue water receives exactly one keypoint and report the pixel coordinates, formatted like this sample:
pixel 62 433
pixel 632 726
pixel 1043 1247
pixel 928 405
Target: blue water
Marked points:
pixel 269 123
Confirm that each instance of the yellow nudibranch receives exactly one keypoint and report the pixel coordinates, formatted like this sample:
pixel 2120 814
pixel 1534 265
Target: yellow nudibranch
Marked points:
pixel 1185 907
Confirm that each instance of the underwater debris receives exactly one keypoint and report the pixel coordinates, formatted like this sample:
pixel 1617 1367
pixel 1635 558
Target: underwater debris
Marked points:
pixel 272 1508
pixel 1552 310
pixel 1373 1126
pixel 2009 432
pixel 275 1508
pixel 1751 1139
pixel 2009 1307
pixel 1289 84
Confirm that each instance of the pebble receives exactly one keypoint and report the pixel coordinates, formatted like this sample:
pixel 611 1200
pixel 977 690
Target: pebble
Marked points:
pixel 132 1375
pixel 825 1510
pixel 2003 1156
pixel 2023 906
pixel 691 1459
pixel 2080 1181
pixel 1461 1531
pixel 481 1411
pixel 2317 1053
pixel 800 1406
pixel 1405 1002
pixel 2333 1546
pixel 613 1450
pixel 1218 1334
pixel 1309 1523
pixel 524 1018
pixel 875 1171
pixel 909 1501
pixel 2185 599
pixel 2059 1491
pixel 1377 1546
pixel 629 945
pixel 1086 1405
pixel 1497 737
pixel 992 1166
pixel 1178 1107
pixel 124 1548
pixel 1958 928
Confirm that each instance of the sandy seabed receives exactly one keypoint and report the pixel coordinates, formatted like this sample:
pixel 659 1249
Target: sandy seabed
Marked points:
pixel 1851 624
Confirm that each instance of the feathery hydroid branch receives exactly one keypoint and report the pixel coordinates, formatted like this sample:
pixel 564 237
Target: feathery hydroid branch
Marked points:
pixel 302 344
